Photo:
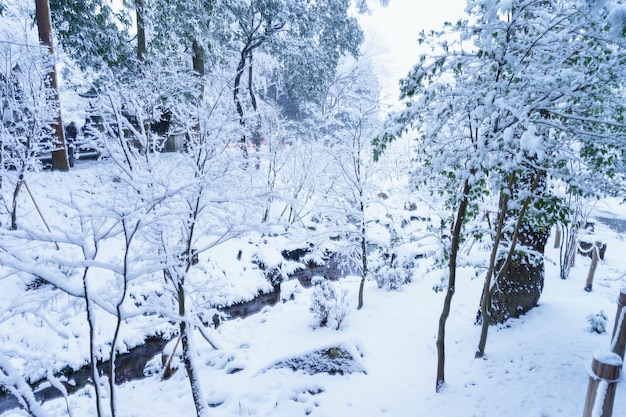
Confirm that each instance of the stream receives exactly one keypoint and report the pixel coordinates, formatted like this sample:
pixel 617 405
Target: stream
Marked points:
pixel 130 365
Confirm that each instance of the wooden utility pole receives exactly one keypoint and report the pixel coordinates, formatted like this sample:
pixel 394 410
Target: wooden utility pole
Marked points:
pixel 60 161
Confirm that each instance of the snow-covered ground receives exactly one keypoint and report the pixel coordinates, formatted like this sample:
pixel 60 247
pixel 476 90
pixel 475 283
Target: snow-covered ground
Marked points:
pixel 535 366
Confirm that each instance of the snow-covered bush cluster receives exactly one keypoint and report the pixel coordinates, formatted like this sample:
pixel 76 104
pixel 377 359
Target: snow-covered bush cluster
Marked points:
pixel 329 306
pixel 597 322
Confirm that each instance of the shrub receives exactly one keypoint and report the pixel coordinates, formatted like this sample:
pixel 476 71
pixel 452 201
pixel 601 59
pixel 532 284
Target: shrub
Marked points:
pixel 327 303
pixel 597 322
pixel 322 300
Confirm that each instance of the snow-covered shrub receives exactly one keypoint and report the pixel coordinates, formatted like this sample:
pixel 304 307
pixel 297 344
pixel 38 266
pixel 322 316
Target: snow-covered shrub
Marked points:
pixel 322 300
pixel 328 304
pixel 597 322
pixel 341 308
pixel 270 261
pixel 390 273
pixel 391 278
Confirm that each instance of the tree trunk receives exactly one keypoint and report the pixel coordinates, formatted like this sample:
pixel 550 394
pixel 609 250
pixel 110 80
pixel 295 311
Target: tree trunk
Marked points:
pixel 454 250
pixel 186 341
pixel 198 58
pixel 363 253
pixel 141 30
pixel 60 161
pixel 93 361
pixel 519 283
pixel 518 277
pixel 16 193
pixel 519 286
pixel 485 301
pixel 236 85
pixel 129 232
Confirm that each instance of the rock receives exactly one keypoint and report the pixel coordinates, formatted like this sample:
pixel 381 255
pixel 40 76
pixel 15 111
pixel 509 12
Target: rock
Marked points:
pixel 333 360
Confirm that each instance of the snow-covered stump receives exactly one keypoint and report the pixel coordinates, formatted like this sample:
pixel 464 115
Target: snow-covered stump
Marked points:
pixel 603 378
pixel 618 340
pixel 595 256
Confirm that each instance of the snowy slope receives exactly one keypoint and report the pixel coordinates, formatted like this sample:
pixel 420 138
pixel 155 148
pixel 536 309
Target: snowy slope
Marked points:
pixel 535 366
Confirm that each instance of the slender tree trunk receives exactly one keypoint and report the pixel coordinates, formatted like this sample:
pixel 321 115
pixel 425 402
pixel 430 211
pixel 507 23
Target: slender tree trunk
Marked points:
pixel 186 341
pixel 198 58
pixel 502 270
pixel 198 61
pixel 486 295
pixel 237 84
pixel 141 30
pixel 363 254
pixel 93 362
pixel 16 193
pixel 184 327
pixel 128 236
pixel 250 82
pixel 60 161
pixel 454 250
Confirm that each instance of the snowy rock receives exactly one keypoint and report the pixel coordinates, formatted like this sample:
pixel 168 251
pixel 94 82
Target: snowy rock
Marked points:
pixel 333 360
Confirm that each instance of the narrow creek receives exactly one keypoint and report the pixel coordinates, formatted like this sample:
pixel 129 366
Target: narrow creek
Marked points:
pixel 130 365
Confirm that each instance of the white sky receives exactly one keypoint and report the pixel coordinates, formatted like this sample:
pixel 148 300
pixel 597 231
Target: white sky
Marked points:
pixel 393 32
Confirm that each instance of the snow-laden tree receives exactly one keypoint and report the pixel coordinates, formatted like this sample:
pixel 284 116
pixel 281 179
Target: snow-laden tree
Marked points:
pixel 72 284
pixel 349 119
pixel 501 104
pixel 306 39
pixel 26 111
pixel 133 248
pixel 205 198
pixel 92 33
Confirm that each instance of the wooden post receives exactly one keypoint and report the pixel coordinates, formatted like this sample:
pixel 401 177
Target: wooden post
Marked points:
pixel 595 255
pixel 557 236
pixel 603 379
pixel 618 340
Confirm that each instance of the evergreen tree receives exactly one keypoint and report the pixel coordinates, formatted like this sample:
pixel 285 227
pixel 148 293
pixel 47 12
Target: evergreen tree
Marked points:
pixel 499 107
pixel 92 33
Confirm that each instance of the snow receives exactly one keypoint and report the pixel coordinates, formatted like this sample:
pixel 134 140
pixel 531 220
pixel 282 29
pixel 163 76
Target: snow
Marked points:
pixel 535 366
pixel 532 143
pixel 607 358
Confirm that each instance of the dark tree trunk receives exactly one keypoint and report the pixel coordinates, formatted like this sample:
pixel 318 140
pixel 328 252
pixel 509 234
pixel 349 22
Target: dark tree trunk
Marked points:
pixel 60 161
pixel 16 193
pixel 236 85
pixel 519 283
pixel 185 338
pixel 198 58
pixel 363 253
pixel 445 312
pixel 519 286
pixel 141 30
